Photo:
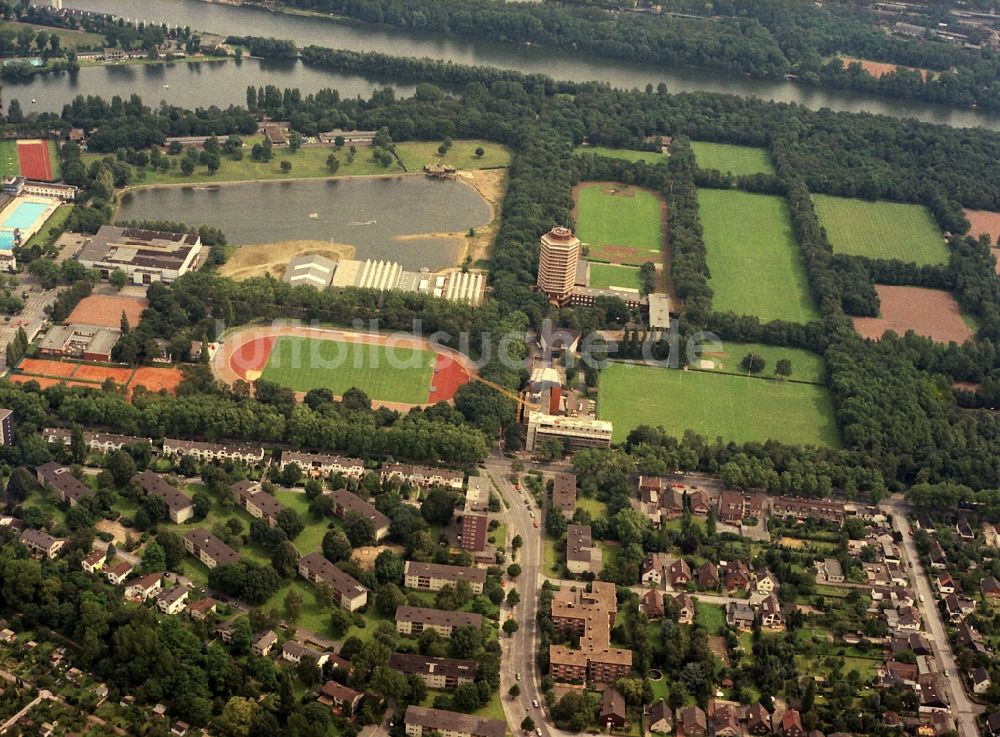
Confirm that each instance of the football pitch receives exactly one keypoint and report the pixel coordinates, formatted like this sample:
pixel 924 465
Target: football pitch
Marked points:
pixel 384 373
pixel 605 276
pixel 737 160
pixel 735 408
pixel 753 257
pixel 619 223
pixel 881 230
pixel 10 164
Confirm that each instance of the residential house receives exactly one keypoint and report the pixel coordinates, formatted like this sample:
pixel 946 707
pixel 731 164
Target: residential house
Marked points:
pixel 258 503
pixel 724 719
pixel 345 502
pixel 435 576
pixel 980 679
pixel 141 589
pixel 611 709
pixel 651 604
pixel 119 572
pixel 803 509
pixel 730 507
pixel 685 608
pixel 347 592
pixel 967 637
pixel 680 573
pixel 766 583
pixel 936 553
pixel 739 615
pixel 424 476
pixel 582 556
pixel 179 505
pixel 94 561
pixel 263 642
pixel 791 724
pixel 990 587
pixel 698 503
pixel 209 549
pixel 692 722
pixel 251 455
pixel 654 569
pixel 735 576
pixel 659 718
pixel 993 724
pixel 340 698
pixel 199 610
pixel 172 601
pixel 964 530
pixel 591 615
pixel 60 479
pixel 758 719
pixel 446 673
pixel 293 652
pixel 708 576
pixel 420 719
pixel 945 584
pixel 316 464
pixel 41 544
pixel 411 620
pixel 832 571
pixel 770 613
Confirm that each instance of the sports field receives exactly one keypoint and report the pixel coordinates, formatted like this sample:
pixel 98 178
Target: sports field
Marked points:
pixel 737 160
pixel 604 276
pixel 10 165
pixel 881 230
pixel 36 157
pixel 737 408
pixel 754 260
pixel 619 223
pixel 389 374
pixel 626 154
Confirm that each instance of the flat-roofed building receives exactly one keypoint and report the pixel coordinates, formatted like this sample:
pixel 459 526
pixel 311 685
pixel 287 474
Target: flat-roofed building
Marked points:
pixel 320 464
pixel 591 615
pixel 474 530
pixel 582 556
pixel 346 591
pixel 575 432
pixel 659 311
pixel 41 544
pixel 146 256
pixel 251 455
pixel 89 342
pixel 420 719
pixel 413 620
pixel 345 502
pixel 424 475
pixel 258 503
pixel 558 257
pixel 209 549
pixel 435 576
pixel 60 478
pixel 179 505
pixel 564 493
pixel 6 426
pixel 447 673
pixel 310 270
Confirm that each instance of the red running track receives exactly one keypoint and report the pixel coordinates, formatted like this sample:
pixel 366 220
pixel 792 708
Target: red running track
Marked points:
pixel 35 161
pixel 252 355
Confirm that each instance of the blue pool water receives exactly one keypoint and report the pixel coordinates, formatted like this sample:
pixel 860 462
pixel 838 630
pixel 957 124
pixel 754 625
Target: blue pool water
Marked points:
pixel 24 215
pixel 6 240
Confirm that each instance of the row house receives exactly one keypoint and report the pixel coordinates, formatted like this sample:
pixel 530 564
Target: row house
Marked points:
pixel 346 591
pixel 413 620
pixel 420 720
pixel 257 503
pixel 321 465
pixel 179 505
pixel 209 549
pixel 424 476
pixel 61 480
pixel 293 652
pixel 803 509
pixel 735 506
pixel 251 455
pixel 441 673
pixel 97 442
pixel 345 502
pixel 435 576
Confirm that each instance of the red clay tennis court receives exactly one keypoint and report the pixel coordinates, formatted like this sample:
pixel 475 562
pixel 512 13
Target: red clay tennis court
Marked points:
pixel 106 310
pixel 46 382
pixel 35 161
pixel 46 367
pixel 155 379
pixel 48 372
pixel 90 372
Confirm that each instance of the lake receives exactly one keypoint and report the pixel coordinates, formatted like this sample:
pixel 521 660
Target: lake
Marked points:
pixel 370 213
pixel 226 19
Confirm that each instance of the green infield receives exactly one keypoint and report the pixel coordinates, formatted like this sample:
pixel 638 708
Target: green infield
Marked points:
pixel 626 154
pixel 806 365
pixel 54 158
pixel 605 276
pixel 881 230
pixel 619 223
pixel 387 374
pixel 736 408
pixel 727 157
pixel 753 257
pixel 10 165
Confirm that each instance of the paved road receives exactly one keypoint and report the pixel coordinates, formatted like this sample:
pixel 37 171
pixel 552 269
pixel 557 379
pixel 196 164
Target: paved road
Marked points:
pixel 963 709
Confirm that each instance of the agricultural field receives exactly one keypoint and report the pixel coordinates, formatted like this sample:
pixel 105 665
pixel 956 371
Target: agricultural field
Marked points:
pixel 388 374
pixel 736 408
pixel 881 230
pixel 932 313
pixel 604 276
pixel 619 223
pixel 754 260
pixel 806 365
pixel 625 154
pixel 728 157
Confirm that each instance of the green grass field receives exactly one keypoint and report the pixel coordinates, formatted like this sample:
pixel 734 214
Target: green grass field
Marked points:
pixel 54 158
pixel 626 154
pixel 396 375
pixel 881 230
pixel 310 161
pixel 603 276
pixel 736 408
pixel 10 166
pixel 806 365
pixel 56 222
pixel 754 260
pixel 737 160
pixel 68 39
pixel 623 226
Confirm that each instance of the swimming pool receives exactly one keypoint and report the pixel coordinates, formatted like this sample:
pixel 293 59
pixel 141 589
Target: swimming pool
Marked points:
pixel 24 215
pixel 6 240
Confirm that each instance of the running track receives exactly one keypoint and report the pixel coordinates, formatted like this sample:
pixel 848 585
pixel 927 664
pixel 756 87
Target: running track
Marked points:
pixel 34 159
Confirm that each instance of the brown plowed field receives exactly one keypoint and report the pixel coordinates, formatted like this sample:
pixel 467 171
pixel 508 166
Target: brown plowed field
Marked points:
pixel 984 221
pixel 933 313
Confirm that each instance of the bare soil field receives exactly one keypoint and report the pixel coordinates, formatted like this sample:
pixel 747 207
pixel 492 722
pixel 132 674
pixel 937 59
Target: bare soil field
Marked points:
pixel 933 313
pixel 879 69
pixel 106 310
pixel 984 221
pixel 273 258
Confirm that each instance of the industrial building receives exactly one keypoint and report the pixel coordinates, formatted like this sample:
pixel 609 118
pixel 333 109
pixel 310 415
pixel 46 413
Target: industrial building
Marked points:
pixel 313 270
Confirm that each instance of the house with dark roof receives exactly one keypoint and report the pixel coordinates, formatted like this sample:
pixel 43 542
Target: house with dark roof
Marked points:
pixel 446 673
pixel 564 493
pixel 209 549
pixel 990 587
pixel 41 544
pixel 651 604
pixel 345 502
pixel 611 709
pixel 346 590
pixel 659 718
pixel 340 698
pixel 980 680
pixel 758 720
pixel 179 505
pixel 708 576
pixel 258 503
pixel 692 722
pixel 724 719
pixel 685 608
pixel 791 724
pixel 60 479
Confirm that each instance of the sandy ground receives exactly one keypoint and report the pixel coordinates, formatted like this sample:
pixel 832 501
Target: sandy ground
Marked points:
pixel 115 529
pixel 365 556
pixel 879 69
pixel 273 258
pixel 491 184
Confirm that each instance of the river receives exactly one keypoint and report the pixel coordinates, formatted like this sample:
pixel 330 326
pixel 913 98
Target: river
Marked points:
pixel 225 19
pixel 382 217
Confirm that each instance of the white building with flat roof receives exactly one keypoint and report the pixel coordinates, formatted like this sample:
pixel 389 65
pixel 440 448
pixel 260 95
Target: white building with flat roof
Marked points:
pixel 576 432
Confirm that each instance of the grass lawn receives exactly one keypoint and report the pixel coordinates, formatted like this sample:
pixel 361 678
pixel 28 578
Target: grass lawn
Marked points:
pixel 754 260
pixel 594 507
pixel 881 230
pixel 311 538
pixel 392 375
pixel 727 157
pixel 461 155
pixel 604 276
pixel 737 408
pixel 806 365
pixel 54 158
pixel 710 616
pixel 492 709
pixel 626 154
pixel 42 237
pixel 68 39
pixel 10 165
pixel 550 555
pixel 499 535
pixel 622 225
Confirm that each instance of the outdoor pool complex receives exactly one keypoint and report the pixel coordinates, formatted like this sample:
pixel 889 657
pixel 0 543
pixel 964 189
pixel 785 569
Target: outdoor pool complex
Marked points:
pixel 26 214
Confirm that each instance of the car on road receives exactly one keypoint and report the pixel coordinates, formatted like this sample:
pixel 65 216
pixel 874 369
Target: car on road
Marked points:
pixel 538 731
pixel 534 703
pixel 531 513
pixel 535 524
pixel 517 676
